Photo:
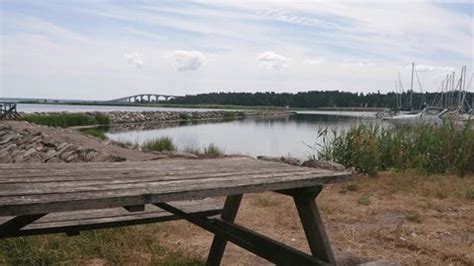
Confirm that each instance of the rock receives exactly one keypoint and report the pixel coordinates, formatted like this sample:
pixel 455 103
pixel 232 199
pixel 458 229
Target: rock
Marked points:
pixel 30 152
pixel 55 160
pixel 65 155
pixel 290 160
pixel 62 145
pixel 70 158
pixel 10 147
pixel 327 165
pixel 48 155
pixel 103 157
pixel 186 155
pixel 287 160
pixel 9 138
pixel 65 148
pixel 4 132
pixel 268 158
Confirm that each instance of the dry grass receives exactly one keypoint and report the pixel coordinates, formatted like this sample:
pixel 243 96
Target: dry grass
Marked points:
pixel 404 221
pixel 410 218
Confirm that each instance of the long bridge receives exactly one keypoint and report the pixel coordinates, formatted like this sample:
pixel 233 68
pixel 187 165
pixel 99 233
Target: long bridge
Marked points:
pixel 146 98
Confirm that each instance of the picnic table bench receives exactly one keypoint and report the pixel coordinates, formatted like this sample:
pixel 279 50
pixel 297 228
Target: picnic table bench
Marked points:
pixel 69 198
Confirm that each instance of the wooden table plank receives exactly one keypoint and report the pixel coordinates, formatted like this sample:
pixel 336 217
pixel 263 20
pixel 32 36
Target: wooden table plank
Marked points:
pixel 76 221
pixel 146 182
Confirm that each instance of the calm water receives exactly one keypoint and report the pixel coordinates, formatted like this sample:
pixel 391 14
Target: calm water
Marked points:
pixel 272 137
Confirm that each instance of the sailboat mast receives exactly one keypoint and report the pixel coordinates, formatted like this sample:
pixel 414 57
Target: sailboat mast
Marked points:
pixel 411 85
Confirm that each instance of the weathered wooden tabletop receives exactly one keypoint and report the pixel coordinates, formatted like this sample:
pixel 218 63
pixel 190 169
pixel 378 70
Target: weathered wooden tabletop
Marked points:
pixel 45 188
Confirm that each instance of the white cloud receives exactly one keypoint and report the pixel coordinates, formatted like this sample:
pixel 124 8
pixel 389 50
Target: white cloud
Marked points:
pixel 271 60
pixel 187 60
pixel 431 68
pixel 314 61
pixel 135 59
pixel 361 62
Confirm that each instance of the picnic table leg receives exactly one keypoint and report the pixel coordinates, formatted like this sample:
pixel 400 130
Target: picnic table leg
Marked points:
pixel 313 225
pixel 231 206
pixel 10 227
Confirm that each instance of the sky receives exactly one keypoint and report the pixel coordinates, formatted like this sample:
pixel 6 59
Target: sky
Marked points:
pixel 104 49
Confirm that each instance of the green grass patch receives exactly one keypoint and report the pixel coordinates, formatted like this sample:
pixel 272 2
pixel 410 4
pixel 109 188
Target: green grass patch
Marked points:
pixel 131 245
pixel 67 119
pixel 98 132
pixel 160 144
pixel 372 148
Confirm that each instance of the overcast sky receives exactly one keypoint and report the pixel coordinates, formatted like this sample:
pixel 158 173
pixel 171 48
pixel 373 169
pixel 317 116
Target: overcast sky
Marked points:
pixel 108 49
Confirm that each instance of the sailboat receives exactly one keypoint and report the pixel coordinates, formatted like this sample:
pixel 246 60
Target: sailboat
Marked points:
pixel 451 104
pixel 429 115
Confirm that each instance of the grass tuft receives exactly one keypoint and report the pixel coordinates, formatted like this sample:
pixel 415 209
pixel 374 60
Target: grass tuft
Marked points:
pixel 364 200
pixel 160 144
pixel 213 151
pixel 470 194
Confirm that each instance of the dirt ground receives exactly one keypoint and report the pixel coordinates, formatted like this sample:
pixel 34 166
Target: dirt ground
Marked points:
pixel 390 217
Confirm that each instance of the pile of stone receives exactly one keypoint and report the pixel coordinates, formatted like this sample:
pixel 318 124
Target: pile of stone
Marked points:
pixel 122 117
pixel 34 146
pixel 119 117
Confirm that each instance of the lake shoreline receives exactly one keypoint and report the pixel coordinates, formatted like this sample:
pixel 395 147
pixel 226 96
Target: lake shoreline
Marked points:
pixel 129 117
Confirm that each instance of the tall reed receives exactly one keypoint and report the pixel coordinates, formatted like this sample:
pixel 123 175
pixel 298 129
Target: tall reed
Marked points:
pixel 371 148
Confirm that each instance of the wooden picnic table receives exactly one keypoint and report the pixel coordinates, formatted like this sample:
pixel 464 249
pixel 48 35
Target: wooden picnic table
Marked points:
pixel 30 193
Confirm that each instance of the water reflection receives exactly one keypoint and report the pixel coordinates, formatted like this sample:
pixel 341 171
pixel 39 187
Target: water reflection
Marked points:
pixel 269 136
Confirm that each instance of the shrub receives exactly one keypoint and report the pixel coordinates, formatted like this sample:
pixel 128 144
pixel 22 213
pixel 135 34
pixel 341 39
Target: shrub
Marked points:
pixel 160 144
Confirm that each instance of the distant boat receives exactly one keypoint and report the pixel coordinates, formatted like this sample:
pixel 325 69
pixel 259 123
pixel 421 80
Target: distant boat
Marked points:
pixel 429 115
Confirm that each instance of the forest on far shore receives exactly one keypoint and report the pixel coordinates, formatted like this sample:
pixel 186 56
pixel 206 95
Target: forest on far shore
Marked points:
pixel 315 99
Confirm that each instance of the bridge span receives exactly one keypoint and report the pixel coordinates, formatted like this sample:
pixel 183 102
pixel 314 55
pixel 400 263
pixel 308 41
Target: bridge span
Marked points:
pixel 145 98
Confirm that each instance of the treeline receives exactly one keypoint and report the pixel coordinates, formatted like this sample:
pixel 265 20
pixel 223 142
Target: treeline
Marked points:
pixel 315 99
